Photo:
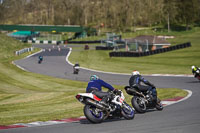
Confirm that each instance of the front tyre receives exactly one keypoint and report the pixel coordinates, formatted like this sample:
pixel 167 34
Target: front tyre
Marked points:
pixel 139 104
pixel 127 111
pixel 93 114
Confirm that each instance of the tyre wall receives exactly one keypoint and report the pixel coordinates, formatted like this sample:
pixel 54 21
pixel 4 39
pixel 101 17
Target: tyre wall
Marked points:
pixel 152 52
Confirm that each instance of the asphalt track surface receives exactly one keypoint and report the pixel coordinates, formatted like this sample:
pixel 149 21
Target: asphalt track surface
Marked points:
pixel 182 117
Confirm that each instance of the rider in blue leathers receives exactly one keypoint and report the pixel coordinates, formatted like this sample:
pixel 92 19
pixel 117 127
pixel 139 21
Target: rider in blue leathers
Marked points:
pixel 95 86
pixel 40 59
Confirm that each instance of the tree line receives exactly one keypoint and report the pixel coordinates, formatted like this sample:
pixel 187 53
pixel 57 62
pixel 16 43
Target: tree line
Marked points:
pixel 116 14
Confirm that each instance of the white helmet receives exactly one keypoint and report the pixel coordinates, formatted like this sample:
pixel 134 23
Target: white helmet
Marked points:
pixel 135 73
pixel 193 67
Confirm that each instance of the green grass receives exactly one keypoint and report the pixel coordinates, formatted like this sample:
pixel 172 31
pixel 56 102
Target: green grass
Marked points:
pixel 174 62
pixel 28 97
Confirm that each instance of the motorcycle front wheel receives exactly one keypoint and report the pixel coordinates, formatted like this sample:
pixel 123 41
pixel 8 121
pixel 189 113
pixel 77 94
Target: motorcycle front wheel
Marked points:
pixel 139 104
pixel 127 111
pixel 93 114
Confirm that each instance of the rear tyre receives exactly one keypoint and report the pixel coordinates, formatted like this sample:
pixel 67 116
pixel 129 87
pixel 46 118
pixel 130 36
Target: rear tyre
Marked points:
pixel 128 112
pixel 93 114
pixel 139 104
pixel 198 77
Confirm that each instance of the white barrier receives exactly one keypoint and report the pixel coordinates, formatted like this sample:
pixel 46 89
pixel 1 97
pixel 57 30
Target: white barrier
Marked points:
pixel 45 41
pixel 24 50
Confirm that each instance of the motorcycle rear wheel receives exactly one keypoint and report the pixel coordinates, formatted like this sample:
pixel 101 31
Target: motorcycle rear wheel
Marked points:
pixel 138 104
pixel 93 115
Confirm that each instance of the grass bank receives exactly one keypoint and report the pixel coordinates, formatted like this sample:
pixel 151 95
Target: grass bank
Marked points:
pixel 27 97
pixel 174 62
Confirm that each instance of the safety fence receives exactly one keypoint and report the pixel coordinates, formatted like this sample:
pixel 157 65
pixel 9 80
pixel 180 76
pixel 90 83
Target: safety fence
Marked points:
pixel 24 50
pixel 152 52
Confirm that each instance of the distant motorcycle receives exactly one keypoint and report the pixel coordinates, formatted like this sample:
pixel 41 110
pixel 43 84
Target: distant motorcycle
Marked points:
pixel 96 112
pixel 142 101
pixel 76 68
pixel 40 59
pixel 196 72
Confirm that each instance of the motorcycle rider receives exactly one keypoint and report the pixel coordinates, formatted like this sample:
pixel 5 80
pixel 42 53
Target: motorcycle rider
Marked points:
pixel 95 86
pixel 195 71
pixel 76 68
pixel 40 58
pixel 135 81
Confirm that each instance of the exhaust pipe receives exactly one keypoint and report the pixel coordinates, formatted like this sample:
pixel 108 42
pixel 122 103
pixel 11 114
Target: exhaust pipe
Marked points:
pixel 89 101
pixel 134 91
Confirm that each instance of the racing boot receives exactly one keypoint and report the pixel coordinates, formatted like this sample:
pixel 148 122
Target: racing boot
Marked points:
pixel 158 101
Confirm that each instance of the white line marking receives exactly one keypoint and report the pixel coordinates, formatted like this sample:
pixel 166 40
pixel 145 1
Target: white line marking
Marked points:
pixel 35 53
pixel 19 66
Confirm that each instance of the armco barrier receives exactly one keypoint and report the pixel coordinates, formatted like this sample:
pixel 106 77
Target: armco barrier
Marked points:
pixel 24 50
pixel 104 48
pixel 84 42
pixel 152 52
pixel 109 48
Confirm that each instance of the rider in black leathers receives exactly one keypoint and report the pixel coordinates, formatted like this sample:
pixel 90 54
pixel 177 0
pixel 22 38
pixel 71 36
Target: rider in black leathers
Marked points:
pixel 135 81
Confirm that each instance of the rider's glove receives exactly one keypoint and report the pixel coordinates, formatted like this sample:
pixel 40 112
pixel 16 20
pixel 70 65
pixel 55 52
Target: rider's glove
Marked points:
pixel 116 91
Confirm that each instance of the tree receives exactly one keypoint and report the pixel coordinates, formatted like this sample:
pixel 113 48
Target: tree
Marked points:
pixel 188 11
pixel 170 12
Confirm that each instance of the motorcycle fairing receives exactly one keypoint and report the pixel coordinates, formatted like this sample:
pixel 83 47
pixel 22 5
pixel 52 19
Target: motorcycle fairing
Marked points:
pixel 90 95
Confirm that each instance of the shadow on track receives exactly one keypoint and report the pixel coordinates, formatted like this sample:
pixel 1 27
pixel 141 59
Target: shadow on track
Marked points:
pixel 193 82
pixel 85 121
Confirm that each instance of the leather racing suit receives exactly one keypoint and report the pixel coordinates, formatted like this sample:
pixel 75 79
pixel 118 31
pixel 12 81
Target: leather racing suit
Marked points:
pixel 95 87
pixel 136 81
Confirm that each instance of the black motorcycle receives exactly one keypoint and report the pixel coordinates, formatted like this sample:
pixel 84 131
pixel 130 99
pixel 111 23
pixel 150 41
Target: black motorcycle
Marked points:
pixel 197 75
pixel 76 68
pixel 143 100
